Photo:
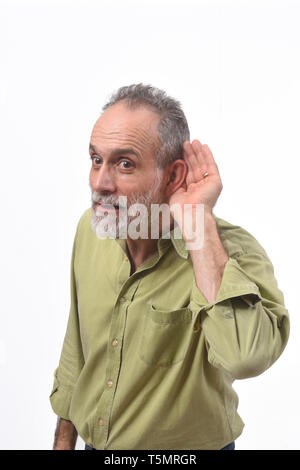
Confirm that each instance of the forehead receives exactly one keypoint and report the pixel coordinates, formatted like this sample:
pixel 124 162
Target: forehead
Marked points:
pixel 122 125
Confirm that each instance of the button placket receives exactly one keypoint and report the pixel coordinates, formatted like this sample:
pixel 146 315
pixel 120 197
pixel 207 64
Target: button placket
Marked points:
pixel 114 360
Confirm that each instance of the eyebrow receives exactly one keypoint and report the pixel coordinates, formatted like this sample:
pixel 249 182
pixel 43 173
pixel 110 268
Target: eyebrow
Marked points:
pixel 117 151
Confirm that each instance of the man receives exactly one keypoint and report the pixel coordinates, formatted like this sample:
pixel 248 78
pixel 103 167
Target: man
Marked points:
pixel 159 328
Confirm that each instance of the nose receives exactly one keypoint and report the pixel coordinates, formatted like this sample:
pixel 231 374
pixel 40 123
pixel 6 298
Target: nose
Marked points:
pixel 102 180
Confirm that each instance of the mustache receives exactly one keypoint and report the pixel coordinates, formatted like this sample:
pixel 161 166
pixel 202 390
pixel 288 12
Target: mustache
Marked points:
pixel 112 200
pixel 121 201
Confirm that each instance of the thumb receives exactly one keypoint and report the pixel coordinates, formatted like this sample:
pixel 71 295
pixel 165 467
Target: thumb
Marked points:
pixel 180 190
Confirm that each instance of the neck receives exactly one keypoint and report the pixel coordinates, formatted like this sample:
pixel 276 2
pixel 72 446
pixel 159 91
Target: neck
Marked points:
pixel 141 249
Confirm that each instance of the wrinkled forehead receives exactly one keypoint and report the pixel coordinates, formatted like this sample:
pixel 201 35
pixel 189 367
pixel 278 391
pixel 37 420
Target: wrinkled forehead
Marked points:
pixel 122 125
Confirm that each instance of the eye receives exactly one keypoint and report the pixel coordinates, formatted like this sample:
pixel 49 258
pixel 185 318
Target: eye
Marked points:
pixel 96 160
pixel 126 164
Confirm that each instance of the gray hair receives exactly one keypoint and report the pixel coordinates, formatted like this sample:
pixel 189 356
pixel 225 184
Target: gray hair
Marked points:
pixel 173 129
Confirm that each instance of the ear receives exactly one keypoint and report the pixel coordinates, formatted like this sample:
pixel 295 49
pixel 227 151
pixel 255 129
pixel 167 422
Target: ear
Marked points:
pixel 176 176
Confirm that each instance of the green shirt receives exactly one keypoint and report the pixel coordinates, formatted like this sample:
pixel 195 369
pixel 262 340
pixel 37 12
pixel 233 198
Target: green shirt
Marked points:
pixel 147 362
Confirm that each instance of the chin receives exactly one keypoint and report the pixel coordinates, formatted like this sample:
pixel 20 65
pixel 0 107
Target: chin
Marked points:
pixel 112 232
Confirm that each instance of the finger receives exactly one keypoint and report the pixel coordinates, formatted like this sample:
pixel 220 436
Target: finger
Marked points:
pixel 195 160
pixel 188 155
pixel 202 165
pixel 212 167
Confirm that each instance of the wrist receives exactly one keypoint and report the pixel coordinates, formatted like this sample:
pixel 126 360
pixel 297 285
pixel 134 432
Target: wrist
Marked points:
pixel 63 448
pixel 198 226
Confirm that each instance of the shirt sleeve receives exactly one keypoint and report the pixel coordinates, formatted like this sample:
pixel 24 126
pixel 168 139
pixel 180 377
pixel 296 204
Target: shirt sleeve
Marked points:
pixel 71 358
pixel 247 328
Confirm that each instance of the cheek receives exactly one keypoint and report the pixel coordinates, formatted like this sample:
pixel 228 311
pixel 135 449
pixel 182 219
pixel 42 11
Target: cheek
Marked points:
pixel 128 183
pixel 91 177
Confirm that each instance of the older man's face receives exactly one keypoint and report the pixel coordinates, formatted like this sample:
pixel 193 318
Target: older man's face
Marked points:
pixel 122 148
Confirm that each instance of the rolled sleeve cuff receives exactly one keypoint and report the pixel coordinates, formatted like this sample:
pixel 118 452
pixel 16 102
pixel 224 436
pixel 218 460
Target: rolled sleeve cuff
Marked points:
pixel 60 399
pixel 235 283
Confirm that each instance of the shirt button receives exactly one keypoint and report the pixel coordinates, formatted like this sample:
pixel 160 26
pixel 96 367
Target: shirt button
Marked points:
pixel 101 422
pixel 122 299
pixel 110 383
pixel 125 259
pixel 115 342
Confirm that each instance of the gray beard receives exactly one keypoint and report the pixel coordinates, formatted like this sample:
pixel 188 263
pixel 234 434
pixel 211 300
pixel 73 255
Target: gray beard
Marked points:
pixel 116 224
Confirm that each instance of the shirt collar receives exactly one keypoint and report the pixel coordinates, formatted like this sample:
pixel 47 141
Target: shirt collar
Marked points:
pixel 178 243
pixel 163 243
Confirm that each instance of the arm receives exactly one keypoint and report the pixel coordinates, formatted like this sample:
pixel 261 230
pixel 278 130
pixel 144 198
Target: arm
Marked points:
pixel 65 435
pixel 70 365
pixel 209 261
pixel 247 327
pixel 235 298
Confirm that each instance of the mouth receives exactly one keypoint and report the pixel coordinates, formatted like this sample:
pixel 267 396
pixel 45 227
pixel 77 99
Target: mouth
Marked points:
pixel 107 207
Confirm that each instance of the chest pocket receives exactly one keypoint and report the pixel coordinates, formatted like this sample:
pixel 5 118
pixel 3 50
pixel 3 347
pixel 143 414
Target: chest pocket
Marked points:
pixel 165 336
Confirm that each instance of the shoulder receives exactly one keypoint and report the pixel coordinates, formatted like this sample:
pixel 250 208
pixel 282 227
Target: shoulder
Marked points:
pixel 84 227
pixel 85 220
pixel 236 240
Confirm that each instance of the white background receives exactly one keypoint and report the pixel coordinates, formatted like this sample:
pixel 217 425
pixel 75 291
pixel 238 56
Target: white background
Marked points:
pixel 234 65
